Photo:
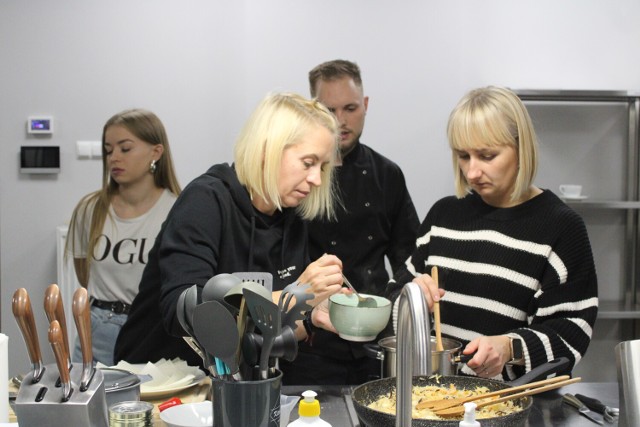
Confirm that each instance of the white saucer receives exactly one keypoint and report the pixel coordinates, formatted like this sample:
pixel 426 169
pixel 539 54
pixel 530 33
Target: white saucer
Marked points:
pixel 574 197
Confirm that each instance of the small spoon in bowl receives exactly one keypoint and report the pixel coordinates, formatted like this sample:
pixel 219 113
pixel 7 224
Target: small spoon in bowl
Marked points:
pixel 362 301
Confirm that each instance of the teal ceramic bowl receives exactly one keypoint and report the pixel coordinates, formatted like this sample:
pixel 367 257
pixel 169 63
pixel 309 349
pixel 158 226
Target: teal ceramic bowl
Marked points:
pixel 356 323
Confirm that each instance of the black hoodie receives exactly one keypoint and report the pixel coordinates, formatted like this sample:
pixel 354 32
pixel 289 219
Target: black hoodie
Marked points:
pixel 213 228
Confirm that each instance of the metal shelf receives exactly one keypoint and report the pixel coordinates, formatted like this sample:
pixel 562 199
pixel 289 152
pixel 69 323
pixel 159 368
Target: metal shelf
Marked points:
pixel 629 309
pixel 618 310
pixel 577 95
pixel 603 204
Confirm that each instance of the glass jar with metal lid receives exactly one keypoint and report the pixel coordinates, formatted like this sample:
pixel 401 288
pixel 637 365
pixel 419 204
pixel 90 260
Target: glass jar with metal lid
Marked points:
pixel 131 414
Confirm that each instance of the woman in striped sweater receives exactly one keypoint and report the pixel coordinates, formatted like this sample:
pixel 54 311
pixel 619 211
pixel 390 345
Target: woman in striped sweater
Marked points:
pixel 516 262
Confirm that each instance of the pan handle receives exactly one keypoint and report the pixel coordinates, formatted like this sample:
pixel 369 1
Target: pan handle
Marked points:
pixel 374 351
pixel 561 364
pixel 463 358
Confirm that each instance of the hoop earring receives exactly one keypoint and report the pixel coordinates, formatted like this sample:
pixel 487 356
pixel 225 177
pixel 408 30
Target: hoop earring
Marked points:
pixel 153 167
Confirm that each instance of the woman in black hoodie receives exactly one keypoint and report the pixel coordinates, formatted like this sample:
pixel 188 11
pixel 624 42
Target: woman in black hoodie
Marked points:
pixel 249 216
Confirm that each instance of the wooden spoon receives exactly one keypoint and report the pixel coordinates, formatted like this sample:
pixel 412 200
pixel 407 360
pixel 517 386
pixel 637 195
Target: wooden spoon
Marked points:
pixel 436 313
pixel 440 404
pixel 458 411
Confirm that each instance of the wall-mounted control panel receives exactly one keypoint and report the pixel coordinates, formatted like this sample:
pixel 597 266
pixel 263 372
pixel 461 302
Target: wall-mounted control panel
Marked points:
pixel 40 125
pixel 39 159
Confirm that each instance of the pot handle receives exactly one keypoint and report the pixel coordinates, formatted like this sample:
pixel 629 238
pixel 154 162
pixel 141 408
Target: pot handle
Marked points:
pixel 373 351
pixel 463 358
pixel 561 364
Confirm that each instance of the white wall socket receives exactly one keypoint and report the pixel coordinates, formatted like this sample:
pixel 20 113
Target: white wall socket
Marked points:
pixel 83 149
pixel 89 149
pixel 96 149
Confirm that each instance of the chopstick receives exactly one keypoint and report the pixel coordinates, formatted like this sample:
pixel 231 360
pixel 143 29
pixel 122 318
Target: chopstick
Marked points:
pixel 439 404
pixel 459 410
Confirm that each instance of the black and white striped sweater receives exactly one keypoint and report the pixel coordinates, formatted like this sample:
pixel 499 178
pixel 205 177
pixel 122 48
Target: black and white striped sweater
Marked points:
pixel 526 270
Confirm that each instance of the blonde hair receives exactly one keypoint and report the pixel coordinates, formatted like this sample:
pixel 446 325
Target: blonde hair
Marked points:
pixel 491 117
pixel 279 121
pixel 147 126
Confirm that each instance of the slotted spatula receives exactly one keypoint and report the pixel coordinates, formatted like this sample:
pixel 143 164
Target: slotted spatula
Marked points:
pixel 266 317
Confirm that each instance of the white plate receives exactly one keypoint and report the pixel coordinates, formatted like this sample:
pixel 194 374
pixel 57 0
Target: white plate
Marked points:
pixel 161 392
pixel 192 376
pixel 575 197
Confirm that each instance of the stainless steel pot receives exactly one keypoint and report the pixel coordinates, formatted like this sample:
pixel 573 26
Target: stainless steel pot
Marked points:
pixel 443 362
pixel 120 385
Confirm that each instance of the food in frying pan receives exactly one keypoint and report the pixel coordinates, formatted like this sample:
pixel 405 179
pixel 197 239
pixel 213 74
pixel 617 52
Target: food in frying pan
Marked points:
pixel 387 403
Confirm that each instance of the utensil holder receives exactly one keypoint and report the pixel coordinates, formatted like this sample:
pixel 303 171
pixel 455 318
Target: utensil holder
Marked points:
pixel 247 403
pixel 37 407
pixel 628 364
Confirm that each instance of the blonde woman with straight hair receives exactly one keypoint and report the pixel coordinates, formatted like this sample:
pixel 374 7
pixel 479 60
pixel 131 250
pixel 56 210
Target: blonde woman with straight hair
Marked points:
pixel 245 217
pixel 515 260
pixel 497 117
pixel 113 229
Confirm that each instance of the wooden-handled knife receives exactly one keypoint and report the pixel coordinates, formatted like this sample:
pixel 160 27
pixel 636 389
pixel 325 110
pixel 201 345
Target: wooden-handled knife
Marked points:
pixel 82 316
pixel 62 358
pixel 55 311
pixel 22 311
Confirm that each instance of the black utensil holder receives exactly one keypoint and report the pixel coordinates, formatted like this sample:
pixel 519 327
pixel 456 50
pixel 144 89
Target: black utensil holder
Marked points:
pixel 247 403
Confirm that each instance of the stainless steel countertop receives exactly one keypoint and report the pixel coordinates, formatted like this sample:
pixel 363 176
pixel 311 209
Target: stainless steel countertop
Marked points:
pixel 547 410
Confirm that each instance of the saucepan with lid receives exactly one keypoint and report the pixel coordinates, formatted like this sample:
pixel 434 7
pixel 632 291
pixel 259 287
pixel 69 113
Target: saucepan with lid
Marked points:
pixel 120 385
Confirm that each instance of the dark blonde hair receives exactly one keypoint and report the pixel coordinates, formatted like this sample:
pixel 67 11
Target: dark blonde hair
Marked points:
pixel 489 117
pixel 282 120
pixel 333 70
pixel 146 126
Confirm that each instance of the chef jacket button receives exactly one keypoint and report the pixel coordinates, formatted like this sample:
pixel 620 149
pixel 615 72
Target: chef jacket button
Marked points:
pixel 370 237
pixel 368 271
pixel 333 243
pixel 367 204
pixel 364 172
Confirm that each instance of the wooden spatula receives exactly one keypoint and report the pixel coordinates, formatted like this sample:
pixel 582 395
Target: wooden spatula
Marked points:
pixel 440 404
pixel 436 313
pixel 458 411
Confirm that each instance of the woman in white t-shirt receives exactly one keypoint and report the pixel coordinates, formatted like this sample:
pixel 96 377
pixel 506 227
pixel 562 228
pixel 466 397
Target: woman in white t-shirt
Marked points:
pixel 113 229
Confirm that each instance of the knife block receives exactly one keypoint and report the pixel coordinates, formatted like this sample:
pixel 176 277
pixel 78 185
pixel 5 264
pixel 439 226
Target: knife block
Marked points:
pixel 84 408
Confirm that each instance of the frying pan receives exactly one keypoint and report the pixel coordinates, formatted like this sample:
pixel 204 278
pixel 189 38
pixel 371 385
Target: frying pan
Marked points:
pixel 367 393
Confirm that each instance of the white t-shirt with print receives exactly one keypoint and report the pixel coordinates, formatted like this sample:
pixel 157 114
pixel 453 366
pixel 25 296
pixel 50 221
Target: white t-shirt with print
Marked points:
pixel 122 251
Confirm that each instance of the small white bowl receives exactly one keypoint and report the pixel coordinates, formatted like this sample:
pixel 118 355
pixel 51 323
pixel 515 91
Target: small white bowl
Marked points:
pixel 198 414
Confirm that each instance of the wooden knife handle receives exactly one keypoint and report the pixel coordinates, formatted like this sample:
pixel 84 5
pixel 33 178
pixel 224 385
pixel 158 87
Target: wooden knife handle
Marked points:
pixel 55 311
pixel 57 345
pixel 82 316
pixel 23 313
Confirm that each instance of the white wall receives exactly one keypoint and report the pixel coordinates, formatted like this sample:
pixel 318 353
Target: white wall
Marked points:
pixel 202 65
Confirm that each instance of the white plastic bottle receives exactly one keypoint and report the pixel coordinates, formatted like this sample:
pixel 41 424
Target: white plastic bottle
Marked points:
pixel 469 419
pixel 309 412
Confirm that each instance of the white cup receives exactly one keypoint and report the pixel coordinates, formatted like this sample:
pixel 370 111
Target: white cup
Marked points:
pixel 571 190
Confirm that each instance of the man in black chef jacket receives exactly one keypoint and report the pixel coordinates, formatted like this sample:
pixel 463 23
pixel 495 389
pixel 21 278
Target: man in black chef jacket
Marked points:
pixel 377 219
